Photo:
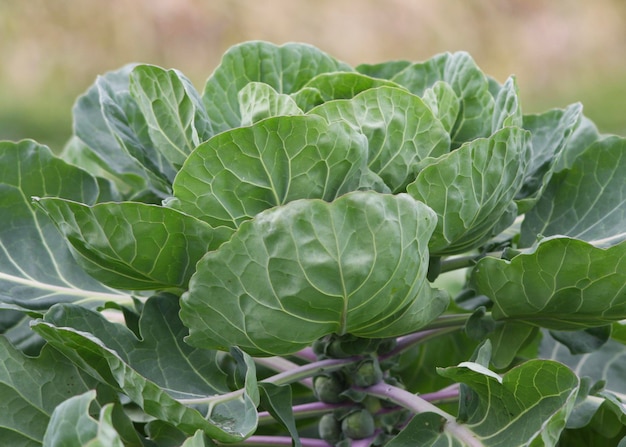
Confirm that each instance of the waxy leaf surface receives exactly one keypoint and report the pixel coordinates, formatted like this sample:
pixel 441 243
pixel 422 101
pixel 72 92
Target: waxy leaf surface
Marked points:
pixel 587 201
pixel 401 131
pixel 37 269
pixel 132 245
pixel 307 269
pixel 562 284
pixel 286 68
pixel 472 189
pixel 241 172
pixel 258 101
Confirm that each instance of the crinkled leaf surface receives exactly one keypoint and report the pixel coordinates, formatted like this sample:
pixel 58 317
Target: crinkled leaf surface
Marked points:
pixel 507 108
pixel 258 101
pixel 154 371
pixel 241 172
pixel 338 85
pixel 472 189
pixel 31 388
pixel 444 103
pixel 286 68
pixel 562 284
pixel 173 109
pixel 131 245
pixel 584 135
pixel 71 425
pixel 469 84
pixel 550 133
pixel 109 123
pixel 587 201
pixel 309 268
pixel 401 131
pixel 527 406
pixel 36 268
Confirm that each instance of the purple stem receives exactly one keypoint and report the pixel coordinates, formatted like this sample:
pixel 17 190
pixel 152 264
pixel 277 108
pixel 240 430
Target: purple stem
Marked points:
pixel 306 354
pixel 451 392
pixel 261 441
pixel 309 409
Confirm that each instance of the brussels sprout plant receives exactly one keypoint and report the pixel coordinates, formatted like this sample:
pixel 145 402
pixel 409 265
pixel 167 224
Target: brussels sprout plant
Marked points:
pixel 307 253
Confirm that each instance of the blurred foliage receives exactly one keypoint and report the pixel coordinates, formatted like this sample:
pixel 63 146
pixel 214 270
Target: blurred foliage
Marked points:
pixel 561 51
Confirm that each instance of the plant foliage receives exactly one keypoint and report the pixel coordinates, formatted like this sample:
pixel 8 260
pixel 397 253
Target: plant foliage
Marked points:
pixel 311 254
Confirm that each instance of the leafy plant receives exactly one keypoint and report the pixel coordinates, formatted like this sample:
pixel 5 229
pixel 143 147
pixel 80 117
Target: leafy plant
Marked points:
pixel 313 254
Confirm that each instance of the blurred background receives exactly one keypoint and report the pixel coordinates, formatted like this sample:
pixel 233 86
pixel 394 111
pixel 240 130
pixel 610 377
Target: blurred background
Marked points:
pixel 562 51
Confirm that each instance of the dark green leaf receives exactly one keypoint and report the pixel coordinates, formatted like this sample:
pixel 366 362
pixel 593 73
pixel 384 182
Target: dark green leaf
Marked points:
pixel 561 284
pixel 585 341
pixel 132 245
pixel 277 401
pixel 241 172
pixel 309 268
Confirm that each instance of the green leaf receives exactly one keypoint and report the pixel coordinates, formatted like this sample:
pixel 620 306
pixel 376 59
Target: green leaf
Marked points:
pixel 527 406
pixel 286 68
pixel 585 341
pixel 550 133
pixel 507 109
pixel 239 173
pixel 173 109
pixel 469 84
pixel 109 123
pixel 383 70
pixel 132 245
pixel 309 268
pixel 198 440
pixel 401 131
pixel 587 201
pixel 508 339
pixel 30 389
pixel 427 430
pixel 36 268
pixel 443 102
pixel 154 372
pixel 584 135
pixel 72 426
pixel 337 85
pixel 562 284
pixel 472 189
pixel 258 101
pixel 277 401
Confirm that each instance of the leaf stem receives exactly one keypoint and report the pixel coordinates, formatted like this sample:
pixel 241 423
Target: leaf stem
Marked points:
pixel 280 364
pixel 306 410
pixel 417 404
pixel 262 441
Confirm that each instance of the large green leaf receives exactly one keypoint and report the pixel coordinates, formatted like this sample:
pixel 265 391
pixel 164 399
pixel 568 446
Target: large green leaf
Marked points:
pixel 587 201
pixel 286 68
pixel 527 406
pixel 550 133
pixel 241 172
pixel 155 371
pixel 469 84
pixel 114 136
pixel 562 284
pixel 131 245
pixel 30 389
pixel 309 268
pixel 472 189
pixel 36 268
pixel 173 110
pixel 401 131
pixel 258 101
pixel 444 103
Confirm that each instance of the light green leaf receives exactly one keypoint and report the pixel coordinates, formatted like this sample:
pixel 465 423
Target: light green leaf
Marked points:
pixel 109 123
pixel 258 101
pixel 550 133
pixel 426 430
pixel 527 406
pixel 72 426
pixel 286 68
pixel 36 268
pixel 173 110
pixel 507 109
pixel 469 84
pixel 30 389
pixel 584 135
pixel 562 284
pixel 472 189
pixel 154 372
pixel 241 172
pixel 132 245
pixel 198 440
pixel 337 85
pixel 587 201
pixel 401 131
pixel 443 102
pixel 309 268
pixel 383 70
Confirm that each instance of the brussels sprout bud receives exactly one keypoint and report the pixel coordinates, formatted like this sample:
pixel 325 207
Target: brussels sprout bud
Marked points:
pixel 367 373
pixel 328 388
pixel 329 428
pixel 358 424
